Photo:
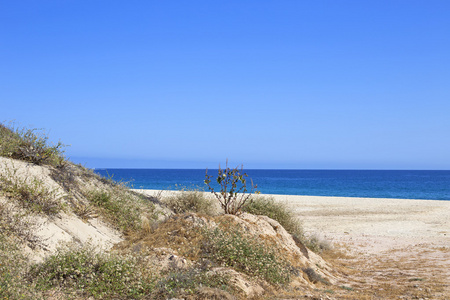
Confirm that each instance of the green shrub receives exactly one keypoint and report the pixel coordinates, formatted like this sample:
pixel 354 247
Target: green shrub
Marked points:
pixel 190 201
pixel 30 145
pixel 233 248
pixel 233 189
pixel 88 273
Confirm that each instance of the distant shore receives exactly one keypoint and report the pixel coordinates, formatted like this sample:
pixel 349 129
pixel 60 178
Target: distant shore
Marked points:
pixel 378 223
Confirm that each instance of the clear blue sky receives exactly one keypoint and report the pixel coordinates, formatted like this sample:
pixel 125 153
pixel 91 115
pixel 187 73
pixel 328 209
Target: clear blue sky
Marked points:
pixel 269 84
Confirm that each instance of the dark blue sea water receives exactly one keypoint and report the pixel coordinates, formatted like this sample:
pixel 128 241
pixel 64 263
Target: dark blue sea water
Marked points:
pixel 433 185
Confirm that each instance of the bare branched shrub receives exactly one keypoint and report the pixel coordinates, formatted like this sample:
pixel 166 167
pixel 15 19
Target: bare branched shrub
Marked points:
pixel 233 189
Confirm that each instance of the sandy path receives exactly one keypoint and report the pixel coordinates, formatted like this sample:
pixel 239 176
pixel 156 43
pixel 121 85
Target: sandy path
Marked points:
pixel 401 248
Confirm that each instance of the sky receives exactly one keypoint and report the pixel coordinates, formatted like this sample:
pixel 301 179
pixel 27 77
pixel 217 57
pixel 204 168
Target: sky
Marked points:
pixel 268 84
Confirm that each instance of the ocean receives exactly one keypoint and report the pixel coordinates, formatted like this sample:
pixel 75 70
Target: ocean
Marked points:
pixel 431 185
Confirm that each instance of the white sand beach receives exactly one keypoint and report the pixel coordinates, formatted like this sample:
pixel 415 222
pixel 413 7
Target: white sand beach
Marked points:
pixel 391 221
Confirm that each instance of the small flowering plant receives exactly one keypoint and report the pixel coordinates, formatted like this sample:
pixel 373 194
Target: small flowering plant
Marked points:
pixel 233 194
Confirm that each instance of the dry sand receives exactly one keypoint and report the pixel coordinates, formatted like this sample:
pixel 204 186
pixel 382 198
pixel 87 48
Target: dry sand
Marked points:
pixel 381 223
pixel 400 248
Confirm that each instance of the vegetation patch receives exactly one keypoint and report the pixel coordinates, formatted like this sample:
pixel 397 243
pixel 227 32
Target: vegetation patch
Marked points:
pixel 31 145
pixel 85 272
pixel 280 212
pixel 233 248
pixel 189 282
pixel 16 222
pixel 118 206
pixel 190 201
pixel 32 193
pixel 13 267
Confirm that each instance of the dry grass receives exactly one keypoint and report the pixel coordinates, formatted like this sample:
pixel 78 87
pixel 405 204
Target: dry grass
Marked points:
pixel 31 145
pixel 190 201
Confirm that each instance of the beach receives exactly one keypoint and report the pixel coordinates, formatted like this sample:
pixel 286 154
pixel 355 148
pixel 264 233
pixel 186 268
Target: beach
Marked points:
pixel 399 244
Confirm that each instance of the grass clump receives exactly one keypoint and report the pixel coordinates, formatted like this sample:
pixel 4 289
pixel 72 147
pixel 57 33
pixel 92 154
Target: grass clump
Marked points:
pixel 185 201
pixel 31 145
pixel 32 193
pixel 118 206
pixel 233 248
pixel 121 207
pixel 87 273
pixel 278 211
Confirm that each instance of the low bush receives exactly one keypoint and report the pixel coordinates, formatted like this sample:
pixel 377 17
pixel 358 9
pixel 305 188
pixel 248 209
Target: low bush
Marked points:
pixel 87 273
pixel 233 248
pixel 31 145
pixel 185 201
